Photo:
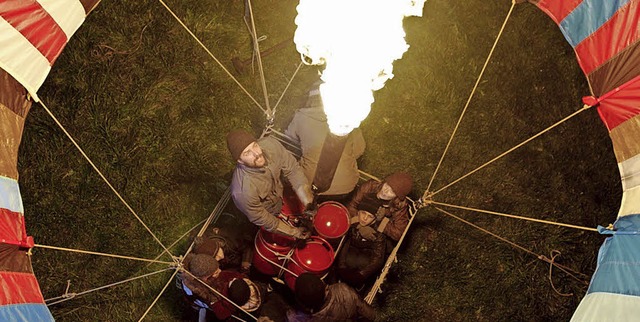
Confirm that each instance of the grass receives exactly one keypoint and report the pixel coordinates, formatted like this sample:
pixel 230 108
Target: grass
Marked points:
pixel 151 109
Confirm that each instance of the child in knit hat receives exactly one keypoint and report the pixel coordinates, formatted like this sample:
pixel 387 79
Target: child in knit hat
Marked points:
pixel 390 196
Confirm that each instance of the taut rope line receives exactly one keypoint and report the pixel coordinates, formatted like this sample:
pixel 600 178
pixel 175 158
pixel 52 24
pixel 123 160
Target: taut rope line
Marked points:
pixel 102 176
pixel 466 105
pixel 180 238
pixel 217 292
pixel 214 214
pixel 69 296
pixel 286 88
pixel 256 49
pixel 159 294
pixel 212 56
pixel 563 268
pixel 102 254
pixel 514 216
pixel 375 288
pixel 585 107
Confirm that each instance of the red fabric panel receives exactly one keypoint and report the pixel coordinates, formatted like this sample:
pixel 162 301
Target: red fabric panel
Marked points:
pixel 19 288
pixel 11 226
pixel 557 10
pixel 614 36
pixel 36 25
pixel 621 105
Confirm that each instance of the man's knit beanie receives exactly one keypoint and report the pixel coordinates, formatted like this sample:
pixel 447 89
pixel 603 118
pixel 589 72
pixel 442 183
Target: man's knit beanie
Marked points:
pixel 239 291
pixel 309 291
pixel 207 246
pixel 202 265
pixel 401 183
pixel 237 141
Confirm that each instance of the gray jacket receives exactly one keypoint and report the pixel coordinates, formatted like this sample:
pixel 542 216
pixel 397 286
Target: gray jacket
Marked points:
pixel 257 192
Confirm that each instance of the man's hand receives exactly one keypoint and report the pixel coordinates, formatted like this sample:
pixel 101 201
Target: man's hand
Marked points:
pixel 295 232
pixel 303 233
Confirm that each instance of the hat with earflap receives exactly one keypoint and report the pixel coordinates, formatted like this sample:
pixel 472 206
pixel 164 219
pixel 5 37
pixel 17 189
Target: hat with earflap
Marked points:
pixel 202 265
pixel 401 183
pixel 205 245
pixel 237 141
pixel 309 291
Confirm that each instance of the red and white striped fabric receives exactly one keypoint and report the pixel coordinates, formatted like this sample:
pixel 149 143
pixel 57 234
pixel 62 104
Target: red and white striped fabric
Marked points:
pixel 33 34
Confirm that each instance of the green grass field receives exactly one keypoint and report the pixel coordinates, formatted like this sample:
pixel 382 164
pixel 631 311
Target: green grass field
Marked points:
pixel 151 108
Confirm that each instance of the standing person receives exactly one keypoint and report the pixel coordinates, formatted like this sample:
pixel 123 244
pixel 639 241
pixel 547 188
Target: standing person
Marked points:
pixel 256 185
pixel 389 195
pixel 328 161
pixel 336 302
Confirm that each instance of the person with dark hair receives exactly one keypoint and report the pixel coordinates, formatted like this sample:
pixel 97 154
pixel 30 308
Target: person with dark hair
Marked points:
pixel 336 302
pixel 205 269
pixel 390 197
pixel 256 185
pixel 209 285
pixel 231 246
pixel 329 161
pixel 363 253
pixel 240 290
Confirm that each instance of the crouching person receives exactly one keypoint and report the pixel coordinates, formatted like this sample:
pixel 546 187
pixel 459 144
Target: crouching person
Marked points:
pixel 363 253
pixel 336 302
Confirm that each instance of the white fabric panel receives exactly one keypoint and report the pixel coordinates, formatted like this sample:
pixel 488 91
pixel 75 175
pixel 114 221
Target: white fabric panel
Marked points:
pixel 604 307
pixel 630 203
pixel 21 59
pixel 10 195
pixel 69 14
pixel 630 172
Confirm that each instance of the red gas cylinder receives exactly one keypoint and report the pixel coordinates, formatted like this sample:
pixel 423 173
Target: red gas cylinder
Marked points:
pixel 315 257
pixel 268 247
pixel 332 220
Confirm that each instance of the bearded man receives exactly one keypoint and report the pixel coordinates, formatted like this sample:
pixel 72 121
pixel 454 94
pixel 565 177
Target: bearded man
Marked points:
pixel 256 185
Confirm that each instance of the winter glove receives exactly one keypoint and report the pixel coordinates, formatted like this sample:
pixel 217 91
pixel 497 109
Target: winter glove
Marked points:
pixel 367 232
pixel 303 233
pixel 310 210
pixel 295 232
